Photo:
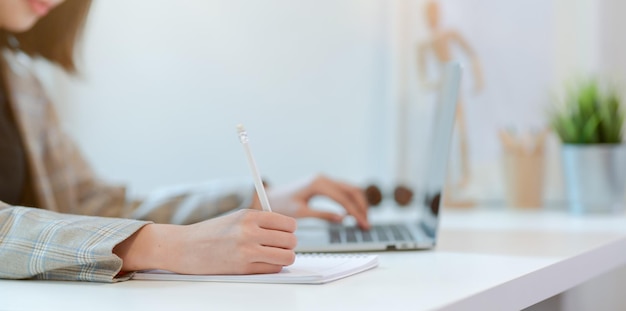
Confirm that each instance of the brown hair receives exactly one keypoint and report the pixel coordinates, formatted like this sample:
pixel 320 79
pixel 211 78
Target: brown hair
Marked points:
pixel 54 37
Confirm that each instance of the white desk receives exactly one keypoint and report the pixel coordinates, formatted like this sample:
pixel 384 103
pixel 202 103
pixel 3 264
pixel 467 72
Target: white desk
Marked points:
pixel 486 260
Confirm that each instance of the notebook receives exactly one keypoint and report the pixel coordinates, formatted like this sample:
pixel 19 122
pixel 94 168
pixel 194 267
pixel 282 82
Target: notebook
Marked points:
pixel 307 269
pixel 415 226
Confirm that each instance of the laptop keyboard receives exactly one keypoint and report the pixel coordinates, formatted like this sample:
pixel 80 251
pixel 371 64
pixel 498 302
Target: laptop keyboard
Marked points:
pixel 378 233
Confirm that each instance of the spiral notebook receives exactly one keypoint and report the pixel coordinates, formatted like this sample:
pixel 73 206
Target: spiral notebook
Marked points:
pixel 307 269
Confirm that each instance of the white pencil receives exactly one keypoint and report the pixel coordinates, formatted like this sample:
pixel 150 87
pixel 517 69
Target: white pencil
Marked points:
pixel 258 183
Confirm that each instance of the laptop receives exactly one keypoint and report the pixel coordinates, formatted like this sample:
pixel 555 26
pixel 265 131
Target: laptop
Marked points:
pixel 408 228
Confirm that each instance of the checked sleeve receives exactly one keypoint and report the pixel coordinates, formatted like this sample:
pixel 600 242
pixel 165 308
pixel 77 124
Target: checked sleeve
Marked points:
pixel 40 244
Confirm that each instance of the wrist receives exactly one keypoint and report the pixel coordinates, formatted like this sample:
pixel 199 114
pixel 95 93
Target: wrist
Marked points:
pixel 151 247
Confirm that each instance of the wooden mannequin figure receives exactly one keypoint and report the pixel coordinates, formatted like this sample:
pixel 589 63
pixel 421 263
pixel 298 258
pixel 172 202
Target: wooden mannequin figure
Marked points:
pixel 440 44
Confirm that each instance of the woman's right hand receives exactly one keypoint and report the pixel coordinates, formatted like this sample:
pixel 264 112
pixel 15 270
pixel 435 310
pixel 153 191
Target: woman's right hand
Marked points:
pixel 244 242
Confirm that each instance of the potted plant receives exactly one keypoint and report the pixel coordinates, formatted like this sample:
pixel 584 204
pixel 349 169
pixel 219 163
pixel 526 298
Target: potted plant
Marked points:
pixel 590 125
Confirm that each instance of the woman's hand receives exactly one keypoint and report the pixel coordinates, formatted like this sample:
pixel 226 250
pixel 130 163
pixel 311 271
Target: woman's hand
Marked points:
pixel 293 199
pixel 244 242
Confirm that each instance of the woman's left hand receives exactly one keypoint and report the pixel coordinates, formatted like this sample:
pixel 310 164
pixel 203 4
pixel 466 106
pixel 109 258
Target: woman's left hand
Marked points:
pixel 293 199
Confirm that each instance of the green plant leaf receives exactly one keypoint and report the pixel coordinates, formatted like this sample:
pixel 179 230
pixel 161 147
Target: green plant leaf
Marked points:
pixel 589 115
pixel 589 133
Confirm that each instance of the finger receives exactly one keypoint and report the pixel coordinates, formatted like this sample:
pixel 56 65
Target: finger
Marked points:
pixel 358 195
pixel 275 221
pixel 338 194
pixel 279 239
pixel 274 256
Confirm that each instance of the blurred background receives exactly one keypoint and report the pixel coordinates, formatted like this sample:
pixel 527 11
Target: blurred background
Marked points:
pixel 318 84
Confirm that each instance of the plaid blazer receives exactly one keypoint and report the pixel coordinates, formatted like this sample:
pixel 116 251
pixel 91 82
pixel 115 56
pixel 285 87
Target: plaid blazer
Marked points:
pixel 63 182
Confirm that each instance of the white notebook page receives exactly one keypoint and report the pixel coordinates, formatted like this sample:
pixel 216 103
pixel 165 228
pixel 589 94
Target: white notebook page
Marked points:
pixel 307 269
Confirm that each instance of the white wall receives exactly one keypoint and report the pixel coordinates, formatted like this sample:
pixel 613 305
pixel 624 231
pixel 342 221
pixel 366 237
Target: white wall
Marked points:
pixel 164 87
pixel 612 43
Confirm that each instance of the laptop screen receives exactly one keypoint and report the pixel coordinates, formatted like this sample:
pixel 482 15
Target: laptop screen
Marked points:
pixel 437 156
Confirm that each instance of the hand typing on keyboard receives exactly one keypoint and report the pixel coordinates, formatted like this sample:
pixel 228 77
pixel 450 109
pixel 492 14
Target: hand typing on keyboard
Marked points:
pixel 293 200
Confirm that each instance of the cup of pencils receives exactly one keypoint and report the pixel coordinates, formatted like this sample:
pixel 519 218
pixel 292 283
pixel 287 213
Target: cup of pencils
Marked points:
pixel 524 160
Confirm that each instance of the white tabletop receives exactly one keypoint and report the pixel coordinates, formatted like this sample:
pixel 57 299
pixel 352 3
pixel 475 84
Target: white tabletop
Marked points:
pixel 486 259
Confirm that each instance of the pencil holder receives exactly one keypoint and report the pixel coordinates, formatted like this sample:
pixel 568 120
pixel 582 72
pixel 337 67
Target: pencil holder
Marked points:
pixel 524 179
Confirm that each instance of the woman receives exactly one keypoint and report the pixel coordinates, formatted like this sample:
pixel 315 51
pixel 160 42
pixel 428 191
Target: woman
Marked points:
pixel 62 234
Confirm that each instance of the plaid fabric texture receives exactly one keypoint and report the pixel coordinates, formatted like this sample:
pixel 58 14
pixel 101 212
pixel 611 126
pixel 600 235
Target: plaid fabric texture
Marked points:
pixel 36 243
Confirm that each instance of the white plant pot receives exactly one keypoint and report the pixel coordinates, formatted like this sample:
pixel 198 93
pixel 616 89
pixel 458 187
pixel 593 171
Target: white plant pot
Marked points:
pixel 595 177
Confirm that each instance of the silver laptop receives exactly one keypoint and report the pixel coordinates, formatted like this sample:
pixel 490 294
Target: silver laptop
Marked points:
pixel 412 227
